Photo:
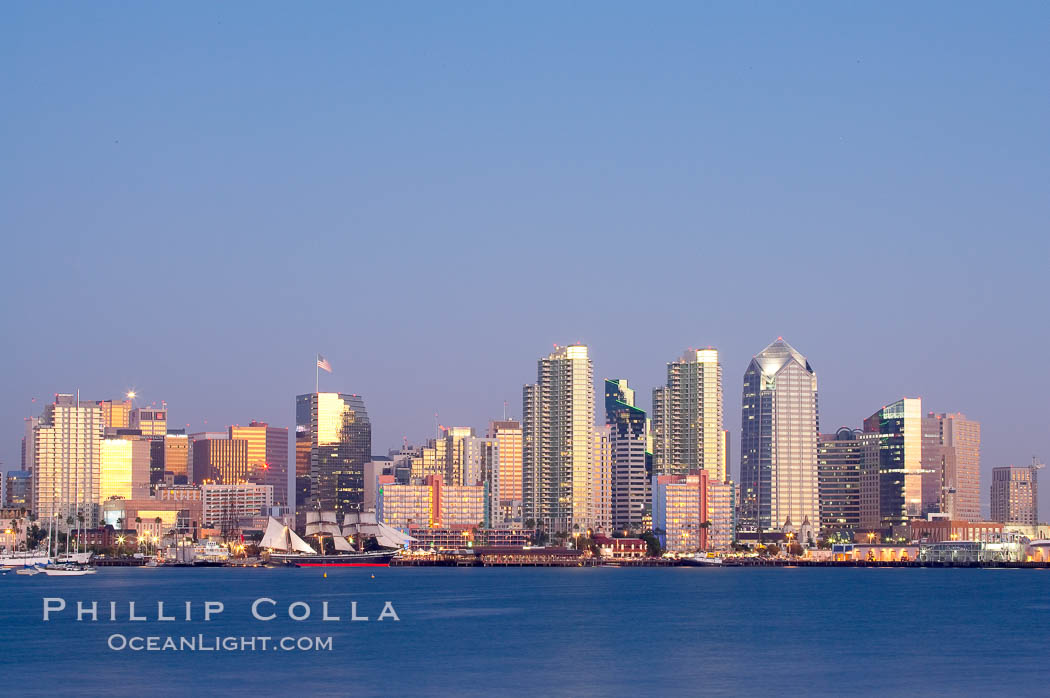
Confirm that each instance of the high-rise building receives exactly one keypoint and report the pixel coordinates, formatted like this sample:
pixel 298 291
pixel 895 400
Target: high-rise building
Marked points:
pixel 149 421
pixel 687 417
pixel 778 440
pixel 221 460
pixel 558 431
pixel 125 468
pixel 176 456
pixel 67 450
pixel 721 514
pixel 680 515
pixel 17 490
pixel 116 414
pixel 899 488
pixel 267 456
pixel 842 458
pixel 1015 494
pixel 631 481
pixel 339 434
pixel 951 463
pixel 507 434
pixel 602 491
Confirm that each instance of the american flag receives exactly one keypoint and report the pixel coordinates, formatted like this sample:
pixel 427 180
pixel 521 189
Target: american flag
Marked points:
pixel 322 363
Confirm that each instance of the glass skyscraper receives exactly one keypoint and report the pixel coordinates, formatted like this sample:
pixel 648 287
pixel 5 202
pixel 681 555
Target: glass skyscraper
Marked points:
pixel 899 488
pixel 332 432
pixel 778 440
pixel 631 478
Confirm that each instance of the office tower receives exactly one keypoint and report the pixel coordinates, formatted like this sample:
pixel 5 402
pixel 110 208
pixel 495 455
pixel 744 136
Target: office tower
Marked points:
pixel 558 430
pixel 842 458
pixel 507 434
pixel 219 459
pixel 339 434
pixel 899 488
pixel 951 463
pixel 687 417
pixel 67 445
pixel 602 492
pixel 116 414
pixel 680 515
pixel 124 471
pixel 452 440
pixel 778 440
pixel 267 456
pixel 149 421
pixel 17 490
pixel 176 456
pixel 631 482
pixel 1015 494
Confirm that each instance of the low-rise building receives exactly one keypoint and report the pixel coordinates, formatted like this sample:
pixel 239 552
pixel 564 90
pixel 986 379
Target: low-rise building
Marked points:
pixel 226 505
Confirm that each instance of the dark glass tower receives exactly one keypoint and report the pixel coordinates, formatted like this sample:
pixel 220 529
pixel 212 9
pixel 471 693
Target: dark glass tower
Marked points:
pixel 631 465
pixel 333 428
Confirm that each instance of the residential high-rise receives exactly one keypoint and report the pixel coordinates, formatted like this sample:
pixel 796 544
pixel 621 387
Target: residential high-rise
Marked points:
pixel 1015 494
pixel 687 417
pixel 507 434
pixel 899 488
pixel 67 467
pixel 602 491
pixel 339 434
pixel 558 430
pixel 951 463
pixel 631 482
pixel 842 458
pixel 778 440
pixel 680 514
pixel 267 456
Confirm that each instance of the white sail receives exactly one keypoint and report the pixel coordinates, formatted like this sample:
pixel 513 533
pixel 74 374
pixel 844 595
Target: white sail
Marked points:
pixel 328 516
pixel 299 544
pixel 312 517
pixel 275 537
pixel 342 544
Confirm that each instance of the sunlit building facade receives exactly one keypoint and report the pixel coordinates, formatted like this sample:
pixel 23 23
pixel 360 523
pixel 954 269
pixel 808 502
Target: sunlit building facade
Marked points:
pixel 687 417
pixel 900 471
pixel 951 463
pixel 220 460
pixel 225 505
pixel 150 421
pixel 176 457
pixel 721 514
pixel 337 427
pixel 778 440
pixel 603 479
pixel 267 456
pixel 116 414
pixel 680 515
pixel 125 468
pixel 67 467
pixel 558 432
pixel 507 434
pixel 1015 495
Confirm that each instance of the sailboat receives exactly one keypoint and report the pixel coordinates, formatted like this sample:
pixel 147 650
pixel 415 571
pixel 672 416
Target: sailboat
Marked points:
pixel 288 548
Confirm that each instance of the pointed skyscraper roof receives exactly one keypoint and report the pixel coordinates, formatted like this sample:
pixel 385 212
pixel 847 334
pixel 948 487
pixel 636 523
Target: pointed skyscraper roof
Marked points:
pixel 776 355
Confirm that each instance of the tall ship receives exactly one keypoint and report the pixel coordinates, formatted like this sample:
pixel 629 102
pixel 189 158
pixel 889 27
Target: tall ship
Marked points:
pixel 286 547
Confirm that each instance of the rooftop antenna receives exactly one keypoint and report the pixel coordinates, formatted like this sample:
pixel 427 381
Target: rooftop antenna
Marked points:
pixel 504 410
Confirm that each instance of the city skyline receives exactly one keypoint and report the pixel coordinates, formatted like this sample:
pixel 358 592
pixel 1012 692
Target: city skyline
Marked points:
pixel 431 208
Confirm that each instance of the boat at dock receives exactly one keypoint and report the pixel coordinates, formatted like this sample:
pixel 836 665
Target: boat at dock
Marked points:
pixel 68 570
pixel 285 547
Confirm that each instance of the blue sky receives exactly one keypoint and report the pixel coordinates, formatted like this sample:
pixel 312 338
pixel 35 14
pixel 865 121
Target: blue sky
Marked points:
pixel 197 198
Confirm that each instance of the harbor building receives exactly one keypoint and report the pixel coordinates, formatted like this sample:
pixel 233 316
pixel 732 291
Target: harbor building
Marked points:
pixel 1015 494
pixel 680 517
pixel 224 505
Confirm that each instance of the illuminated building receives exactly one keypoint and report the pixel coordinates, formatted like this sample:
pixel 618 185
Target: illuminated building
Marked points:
pixel 507 434
pixel 602 488
pixel 558 433
pixel 225 505
pixel 630 476
pixel 116 414
pixel 951 463
pixel 125 468
pixel 220 460
pixel 142 514
pixel 339 432
pixel 429 460
pixel 406 506
pixel 67 454
pixel 721 514
pixel 17 490
pixel 149 421
pixel 898 486
pixel 680 511
pixel 176 456
pixel 842 458
pixel 687 417
pixel 431 504
pixel 267 456
pixel 1015 494
pixel 778 440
